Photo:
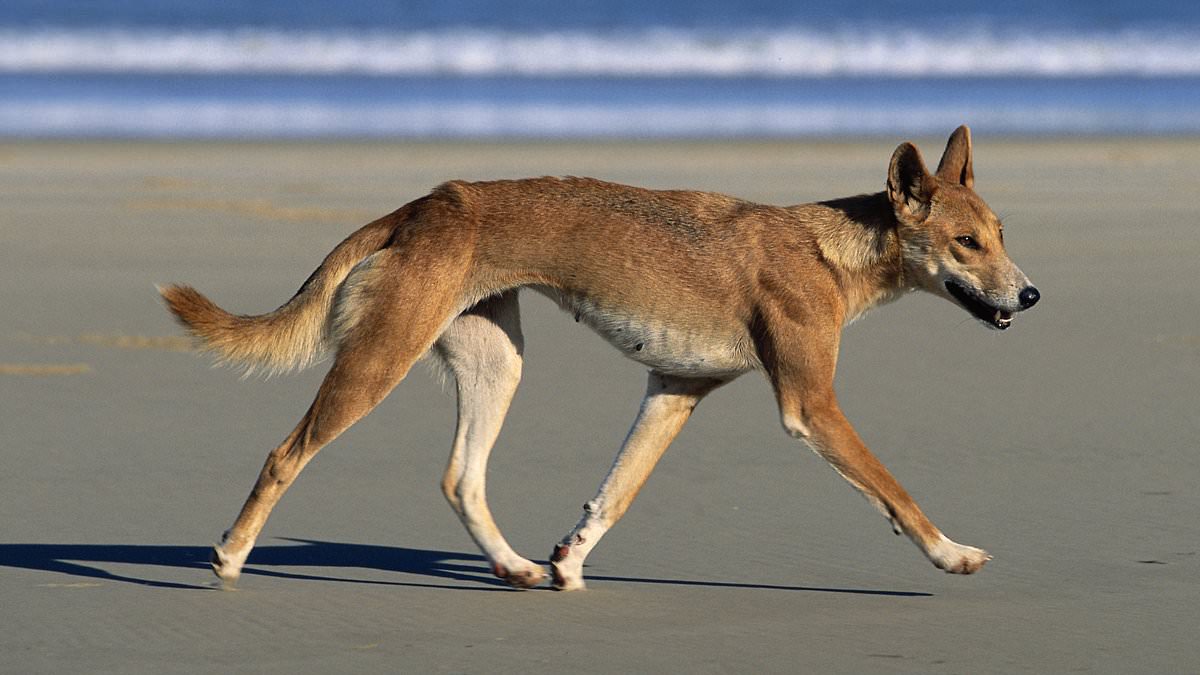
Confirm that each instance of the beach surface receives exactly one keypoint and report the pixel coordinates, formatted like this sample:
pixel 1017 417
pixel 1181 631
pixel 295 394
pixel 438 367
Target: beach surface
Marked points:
pixel 1066 446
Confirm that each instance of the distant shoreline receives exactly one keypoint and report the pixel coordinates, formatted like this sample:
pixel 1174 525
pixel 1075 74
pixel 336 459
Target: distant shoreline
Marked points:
pixel 324 106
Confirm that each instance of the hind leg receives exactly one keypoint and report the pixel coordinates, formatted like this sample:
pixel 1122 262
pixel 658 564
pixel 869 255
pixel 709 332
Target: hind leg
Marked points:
pixel 388 327
pixel 482 347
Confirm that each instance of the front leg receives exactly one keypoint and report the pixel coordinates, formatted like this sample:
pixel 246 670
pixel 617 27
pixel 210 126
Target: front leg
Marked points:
pixel 668 404
pixel 822 425
pixel 801 367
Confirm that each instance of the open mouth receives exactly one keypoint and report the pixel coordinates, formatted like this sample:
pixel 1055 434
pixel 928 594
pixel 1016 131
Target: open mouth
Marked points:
pixel 979 308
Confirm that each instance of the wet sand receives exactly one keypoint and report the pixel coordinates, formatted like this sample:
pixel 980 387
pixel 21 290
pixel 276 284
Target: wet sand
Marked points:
pixel 1065 446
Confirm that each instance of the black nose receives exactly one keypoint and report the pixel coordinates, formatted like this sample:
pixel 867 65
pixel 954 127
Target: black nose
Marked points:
pixel 1029 297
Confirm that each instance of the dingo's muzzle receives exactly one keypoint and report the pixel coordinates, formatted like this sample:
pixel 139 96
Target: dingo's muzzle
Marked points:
pixel 997 317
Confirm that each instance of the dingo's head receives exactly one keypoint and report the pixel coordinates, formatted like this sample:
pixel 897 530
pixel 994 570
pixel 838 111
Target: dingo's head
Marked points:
pixel 953 245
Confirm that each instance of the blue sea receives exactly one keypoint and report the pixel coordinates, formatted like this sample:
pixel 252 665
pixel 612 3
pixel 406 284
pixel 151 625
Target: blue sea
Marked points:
pixel 623 69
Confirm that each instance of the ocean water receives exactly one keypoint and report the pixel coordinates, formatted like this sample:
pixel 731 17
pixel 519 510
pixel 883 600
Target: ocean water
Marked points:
pixel 629 69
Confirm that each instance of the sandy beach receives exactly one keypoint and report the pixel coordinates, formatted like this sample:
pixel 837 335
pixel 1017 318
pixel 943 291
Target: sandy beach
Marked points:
pixel 1066 446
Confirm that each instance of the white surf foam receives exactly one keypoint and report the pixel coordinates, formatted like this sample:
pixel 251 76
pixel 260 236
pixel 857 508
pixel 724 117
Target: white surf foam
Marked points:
pixel 221 119
pixel 666 52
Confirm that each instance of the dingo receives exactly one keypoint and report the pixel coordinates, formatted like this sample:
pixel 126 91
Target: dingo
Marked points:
pixel 697 286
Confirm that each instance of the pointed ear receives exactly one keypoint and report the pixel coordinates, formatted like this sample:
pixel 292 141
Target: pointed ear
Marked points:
pixel 955 166
pixel 909 185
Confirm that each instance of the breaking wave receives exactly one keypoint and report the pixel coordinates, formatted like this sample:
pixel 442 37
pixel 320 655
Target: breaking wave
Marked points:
pixel 226 119
pixel 666 52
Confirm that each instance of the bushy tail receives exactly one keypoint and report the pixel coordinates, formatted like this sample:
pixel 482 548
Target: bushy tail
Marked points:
pixel 290 337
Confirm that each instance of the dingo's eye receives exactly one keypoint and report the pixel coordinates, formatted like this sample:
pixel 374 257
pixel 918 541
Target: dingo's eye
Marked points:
pixel 967 241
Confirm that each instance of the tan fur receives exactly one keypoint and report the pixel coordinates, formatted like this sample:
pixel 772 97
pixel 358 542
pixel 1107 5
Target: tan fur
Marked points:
pixel 699 287
pixel 288 338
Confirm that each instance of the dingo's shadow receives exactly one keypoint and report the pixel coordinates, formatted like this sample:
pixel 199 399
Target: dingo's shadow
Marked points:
pixel 265 560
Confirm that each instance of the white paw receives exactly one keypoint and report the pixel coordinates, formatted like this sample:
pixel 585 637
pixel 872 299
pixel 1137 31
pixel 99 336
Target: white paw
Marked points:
pixel 227 561
pixel 955 558
pixel 521 574
pixel 567 568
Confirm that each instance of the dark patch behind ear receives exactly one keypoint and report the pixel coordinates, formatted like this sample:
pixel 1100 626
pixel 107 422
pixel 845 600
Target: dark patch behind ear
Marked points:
pixel 955 166
pixel 909 185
